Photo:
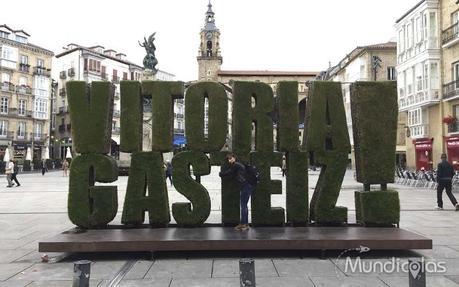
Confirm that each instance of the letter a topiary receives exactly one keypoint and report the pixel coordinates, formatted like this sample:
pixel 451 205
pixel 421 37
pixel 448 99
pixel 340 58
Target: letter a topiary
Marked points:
pixel 196 212
pixel 91 116
pixel 92 206
pixel 194 116
pixel 328 140
pixel 146 174
pixel 162 96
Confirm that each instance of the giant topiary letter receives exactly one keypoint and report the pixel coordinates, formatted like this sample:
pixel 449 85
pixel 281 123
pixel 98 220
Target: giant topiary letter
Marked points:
pixel 162 96
pixel 194 116
pixel 297 188
pixel 131 116
pixel 287 98
pixel 90 115
pixel 92 206
pixel 374 120
pixel 230 199
pixel 196 212
pixel 243 116
pixel 146 173
pixel 262 212
pixel 328 140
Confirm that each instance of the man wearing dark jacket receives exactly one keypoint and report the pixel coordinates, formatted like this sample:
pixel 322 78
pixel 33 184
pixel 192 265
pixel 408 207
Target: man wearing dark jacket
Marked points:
pixel 236 171
pixel 445 173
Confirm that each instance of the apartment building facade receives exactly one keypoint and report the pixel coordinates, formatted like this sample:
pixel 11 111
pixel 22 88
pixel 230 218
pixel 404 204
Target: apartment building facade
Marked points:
pixel 419 82
pixel 24 96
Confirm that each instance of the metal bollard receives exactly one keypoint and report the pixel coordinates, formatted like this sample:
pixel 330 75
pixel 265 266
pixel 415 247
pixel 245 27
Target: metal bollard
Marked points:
pixel 247 272
pixel 417 272
pixel 81 273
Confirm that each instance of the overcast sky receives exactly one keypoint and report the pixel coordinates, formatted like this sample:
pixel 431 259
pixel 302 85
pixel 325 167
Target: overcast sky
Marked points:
pixel 300 35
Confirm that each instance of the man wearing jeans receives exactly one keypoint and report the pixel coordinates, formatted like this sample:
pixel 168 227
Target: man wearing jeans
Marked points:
pixel 236 171
pixel 445 173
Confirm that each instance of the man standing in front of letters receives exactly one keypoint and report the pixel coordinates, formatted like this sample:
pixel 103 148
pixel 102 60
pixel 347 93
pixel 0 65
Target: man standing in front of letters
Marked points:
pixel 445 173
pixel 236 171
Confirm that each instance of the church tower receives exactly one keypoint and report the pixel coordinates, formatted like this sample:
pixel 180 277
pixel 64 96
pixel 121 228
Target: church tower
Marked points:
pixel 209 57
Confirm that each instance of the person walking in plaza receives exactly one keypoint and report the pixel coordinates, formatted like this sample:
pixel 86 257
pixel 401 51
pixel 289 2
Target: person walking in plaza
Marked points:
pixel 65 167
pixel 237 171
pixel 43 167
pixel 168 168
pixel 14 174
pixel 284 166
pixel 445 173
pixel 9 169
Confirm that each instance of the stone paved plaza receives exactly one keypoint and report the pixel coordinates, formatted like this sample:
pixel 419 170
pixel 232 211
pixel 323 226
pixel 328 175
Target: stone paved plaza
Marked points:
pixel 37 210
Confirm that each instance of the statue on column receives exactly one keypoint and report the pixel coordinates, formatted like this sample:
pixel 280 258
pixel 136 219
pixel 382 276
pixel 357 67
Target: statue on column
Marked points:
pixel 150 61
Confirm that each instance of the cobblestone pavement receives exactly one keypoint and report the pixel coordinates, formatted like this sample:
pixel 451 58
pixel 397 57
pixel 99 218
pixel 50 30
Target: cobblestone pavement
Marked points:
pixel 37 209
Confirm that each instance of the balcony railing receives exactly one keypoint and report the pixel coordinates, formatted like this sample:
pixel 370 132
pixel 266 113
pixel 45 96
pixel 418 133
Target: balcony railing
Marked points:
pixel 453 127
pixel 425 97
pixel 38 137
pixel 62 92
pixel 179 131
pixel 24 90
pixel 24 68
pixel 71 72
pixel 450 34
pixel 6 135
pixel 63 75
pixel 451 89
pixel 178 116
pixel 62 110
pixel 115 130
pixel 41 71
pixel 419 131
pixel 21 136
pixel 7 87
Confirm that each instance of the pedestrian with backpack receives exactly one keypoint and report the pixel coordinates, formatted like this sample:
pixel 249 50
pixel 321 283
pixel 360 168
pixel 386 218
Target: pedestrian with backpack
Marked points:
pixel 247 178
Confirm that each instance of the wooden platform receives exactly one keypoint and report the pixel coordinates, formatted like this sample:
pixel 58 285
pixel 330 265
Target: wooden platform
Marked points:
pixel 225 238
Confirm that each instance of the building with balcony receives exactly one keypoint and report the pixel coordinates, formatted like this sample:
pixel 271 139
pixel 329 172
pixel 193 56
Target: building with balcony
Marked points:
pixel 24 94
pixel 419 82
pixel 365 63
pixel 450 77
pixel 88 64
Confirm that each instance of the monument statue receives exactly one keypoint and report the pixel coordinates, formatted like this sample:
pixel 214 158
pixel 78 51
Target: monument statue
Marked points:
pixel 150 61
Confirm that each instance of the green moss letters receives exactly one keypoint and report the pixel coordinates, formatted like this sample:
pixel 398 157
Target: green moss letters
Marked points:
pixel 91 206
pixel 218 117
pixel 377 208
pixel 131 116
pixel 197 211
pixel 146 191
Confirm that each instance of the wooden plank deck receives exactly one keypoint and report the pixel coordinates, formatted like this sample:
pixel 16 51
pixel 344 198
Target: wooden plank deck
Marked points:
pixel 225 238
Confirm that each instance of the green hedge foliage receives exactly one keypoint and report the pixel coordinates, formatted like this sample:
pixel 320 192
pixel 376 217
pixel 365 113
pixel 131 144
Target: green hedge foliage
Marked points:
pixel 244 115
pixel 90 109
pixel 297 188
pixel 327 139
pixel 131 117
pixel 287 97
pixel 374 120
pixel 194 116
pixel 162 94
pixel 197 211
pixel 230 191
pixel 92 206
pixel 262 212
pixel 377 208
pixel 146 191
